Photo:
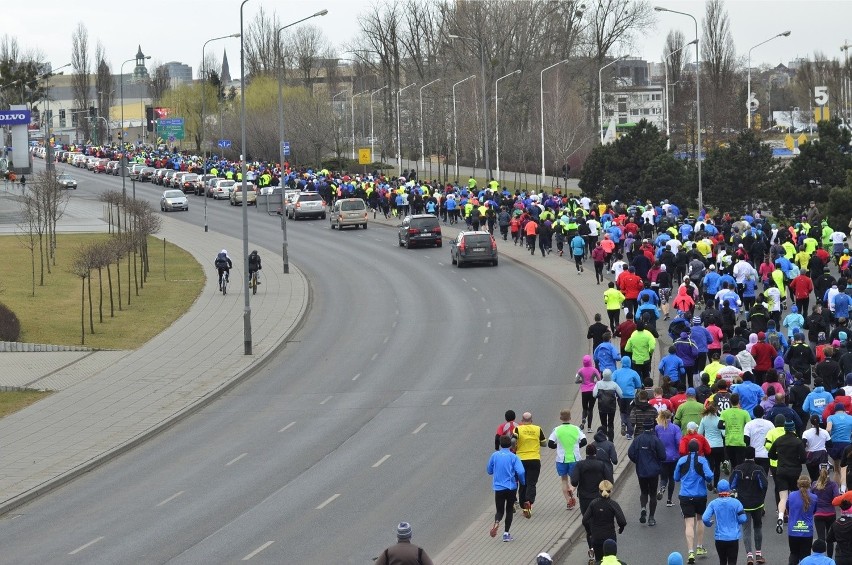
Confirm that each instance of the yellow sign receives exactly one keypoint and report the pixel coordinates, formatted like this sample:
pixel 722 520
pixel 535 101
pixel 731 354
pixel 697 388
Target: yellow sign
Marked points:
pixel 788 142
pixel 365 156
pixel 801 140
pixel 821 113
pixel 758 122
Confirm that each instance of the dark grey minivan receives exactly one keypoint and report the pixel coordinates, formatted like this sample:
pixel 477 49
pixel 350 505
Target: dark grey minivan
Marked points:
pixel 473 247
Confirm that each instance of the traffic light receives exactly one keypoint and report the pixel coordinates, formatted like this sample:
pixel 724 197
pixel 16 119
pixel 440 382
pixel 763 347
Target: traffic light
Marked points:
pixel 149 118
pixel 92 112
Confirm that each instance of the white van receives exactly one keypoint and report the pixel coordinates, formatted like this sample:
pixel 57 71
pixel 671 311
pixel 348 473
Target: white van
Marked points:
pixel 348 212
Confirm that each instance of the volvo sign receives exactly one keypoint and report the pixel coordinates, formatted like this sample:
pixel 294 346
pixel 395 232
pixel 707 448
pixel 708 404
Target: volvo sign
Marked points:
pixel 15 117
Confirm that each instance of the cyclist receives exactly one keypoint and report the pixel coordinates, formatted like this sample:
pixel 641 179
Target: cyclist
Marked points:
pixel 254 264
pixel 223 265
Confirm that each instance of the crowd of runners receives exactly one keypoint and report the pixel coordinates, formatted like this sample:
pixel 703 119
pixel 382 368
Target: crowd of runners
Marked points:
pixel 752 391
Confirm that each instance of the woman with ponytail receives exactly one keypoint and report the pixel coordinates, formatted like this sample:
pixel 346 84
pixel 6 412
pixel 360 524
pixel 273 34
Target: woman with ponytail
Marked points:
pixel 600 519
pixel 825 490
pixel 801 505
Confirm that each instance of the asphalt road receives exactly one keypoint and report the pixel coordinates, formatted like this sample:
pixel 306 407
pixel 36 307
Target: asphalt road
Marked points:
pixel 644 545
pixel 381 409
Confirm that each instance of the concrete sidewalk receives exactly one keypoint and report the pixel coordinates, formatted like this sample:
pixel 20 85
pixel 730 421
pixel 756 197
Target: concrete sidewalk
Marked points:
pixel 552 528
pixel 109 401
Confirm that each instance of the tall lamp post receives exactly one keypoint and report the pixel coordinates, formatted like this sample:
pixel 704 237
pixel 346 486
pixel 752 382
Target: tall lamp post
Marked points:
pixel 846 82
pixel 541 96
pixel 600 90
pixel 455 125
pixel 247 343
pixel 398 125
pixel 123 164
pixel 422 132
pixel 484 101
pixel 352 117
pixel 280 73
pixel 697 99
pixel 372 133
pixel 748 111
pixel 497 122
pixel 203 111
pixel 666 67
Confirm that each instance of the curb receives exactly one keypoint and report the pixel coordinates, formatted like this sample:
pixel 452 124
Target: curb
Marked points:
pixel 51 484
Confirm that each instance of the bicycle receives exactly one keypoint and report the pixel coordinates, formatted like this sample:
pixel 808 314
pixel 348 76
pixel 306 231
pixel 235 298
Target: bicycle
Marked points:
pixel 253 282
pixel 223 283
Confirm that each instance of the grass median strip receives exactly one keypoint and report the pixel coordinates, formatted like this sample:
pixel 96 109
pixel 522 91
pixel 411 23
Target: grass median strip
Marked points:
pixel 13 400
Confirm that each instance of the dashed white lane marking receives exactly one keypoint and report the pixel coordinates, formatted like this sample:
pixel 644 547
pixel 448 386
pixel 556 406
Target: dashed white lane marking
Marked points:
pixel 485 340
pixel 426 256
pixel 258 550
pixel 447 401
pixel 464 279
pixel 440 264
pixel 479 356
pixel 488 325
pixel 467 378
pixel 474 289
pixel 355 378
pixel 287 427
pixel 235 459
pixel 488 310
pixel 328 501
pixel 85 545
pixel 169 499
pixel 387 337
pixel 380 461
pixel 326 399
pixel 482 298
pixel 393 325
pixel 418 428
pixel 396 313
pixel 373 358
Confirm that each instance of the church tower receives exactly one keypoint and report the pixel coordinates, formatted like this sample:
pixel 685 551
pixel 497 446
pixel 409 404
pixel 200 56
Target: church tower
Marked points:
pixel 225 75
pixel 140 73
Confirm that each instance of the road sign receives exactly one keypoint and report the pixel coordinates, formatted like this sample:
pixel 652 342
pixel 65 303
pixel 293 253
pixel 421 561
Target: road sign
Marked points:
pixel 285 148
pixel 224 143
pixel 172 139
pixel 822 113
pixel 752 104
pixel 821 95
pixel 171 127
pixel 365 156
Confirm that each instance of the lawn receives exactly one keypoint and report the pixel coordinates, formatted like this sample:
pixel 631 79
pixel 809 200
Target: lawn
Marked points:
pixel 53 314
pixel 12 401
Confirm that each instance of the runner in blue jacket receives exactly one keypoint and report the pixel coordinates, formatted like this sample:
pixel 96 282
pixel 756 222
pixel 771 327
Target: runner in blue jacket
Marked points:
pixel 729 514
pixel 694 475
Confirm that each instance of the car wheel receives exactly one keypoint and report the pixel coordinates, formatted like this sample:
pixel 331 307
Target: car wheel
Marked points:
pixel 365 226
pixel 494 263
pixel 408 244
pixel 401 244
pixel 338 225
pixel 322 217
pixel 452 259
pixel 439 244
pixel 458 263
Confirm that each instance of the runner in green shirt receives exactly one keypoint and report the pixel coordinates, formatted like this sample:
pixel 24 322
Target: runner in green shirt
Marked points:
pixel 733 420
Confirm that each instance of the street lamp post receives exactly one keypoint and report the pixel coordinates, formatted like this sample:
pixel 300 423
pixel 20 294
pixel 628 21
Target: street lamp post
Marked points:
pixel 748 98
pixel 123 164
pixel 398 125
pixel 541 97
pixel 666 67
pixel 455 125
pixel 497 123
pixel 352 117
pixel 697 99
pixel 280 73
pixel 203 111
pixel 484 102
pixel 846 82
pixel 337 121
pixel 372 133
pixel 600 90
pixel 247 342
pixel 422 133
pixel 49 151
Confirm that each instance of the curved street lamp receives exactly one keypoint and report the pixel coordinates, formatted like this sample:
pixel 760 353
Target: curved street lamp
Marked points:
pixel 748 98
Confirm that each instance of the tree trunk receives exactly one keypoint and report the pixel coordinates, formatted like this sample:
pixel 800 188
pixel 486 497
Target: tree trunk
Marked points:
pixel 128 276
pixel 41 258
pixel 109 282
pixel 135 271
pixel 118 281
pixel 101 294
pixel 83 312
pixel 32 260
pixel 91 307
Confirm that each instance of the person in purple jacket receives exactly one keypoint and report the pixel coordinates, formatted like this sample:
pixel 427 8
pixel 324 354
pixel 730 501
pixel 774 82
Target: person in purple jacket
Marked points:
pixel 587 376
pixel 669 434
pixel 699 335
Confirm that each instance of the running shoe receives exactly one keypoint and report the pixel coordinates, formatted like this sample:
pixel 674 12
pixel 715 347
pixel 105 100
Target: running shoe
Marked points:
pixel 690 560
pixel 669 503
pixel 592 559
pixel 700 551
pixel 583 423
pixel 749 559
pixel 660 492
pixel 759 559
pixel 628 437
pixel 507 537
pixel 493 532
pixel 572 502
pixel 642 516
pixel 779 526
pixel 652 522
pixel 726 467
pixel 527 509
pixel 624 429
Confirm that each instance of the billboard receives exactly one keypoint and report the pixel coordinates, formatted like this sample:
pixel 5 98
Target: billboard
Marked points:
pixel 170 128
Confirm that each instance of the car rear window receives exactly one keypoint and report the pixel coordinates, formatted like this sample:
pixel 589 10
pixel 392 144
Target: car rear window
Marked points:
pixel 348 205
pixel 424 222
pixel 309 197
pixel 477 240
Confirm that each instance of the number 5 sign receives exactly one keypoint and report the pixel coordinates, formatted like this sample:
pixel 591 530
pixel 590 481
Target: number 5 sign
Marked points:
pixel 821 95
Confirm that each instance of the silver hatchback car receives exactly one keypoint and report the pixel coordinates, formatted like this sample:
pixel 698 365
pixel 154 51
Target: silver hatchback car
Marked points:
pixel 306 204
pixel 348 212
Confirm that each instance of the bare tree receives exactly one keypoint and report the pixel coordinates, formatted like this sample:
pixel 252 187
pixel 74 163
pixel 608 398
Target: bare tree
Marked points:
pixel 308 48
pixel 159 83
pixel 718 69
pixel 82 65
pixel 259 43
pixel 104 91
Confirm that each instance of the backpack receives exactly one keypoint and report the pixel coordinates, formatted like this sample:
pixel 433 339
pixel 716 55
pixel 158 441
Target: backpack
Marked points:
pixel 774 340
pixel 607 400
pixel 221 261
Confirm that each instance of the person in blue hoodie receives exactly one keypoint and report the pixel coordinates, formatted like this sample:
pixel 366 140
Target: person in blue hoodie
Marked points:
pixel 507 470
pixel 710 284
pixel 629 382
pixel 728 514
pixel 818 557
pixel 606 355
pixel 817 400
pixel 699 335
pixel 750 394
pixel 694 475
pixel 672 366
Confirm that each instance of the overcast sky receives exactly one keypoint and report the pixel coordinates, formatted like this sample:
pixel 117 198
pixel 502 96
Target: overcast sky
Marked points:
pixel 175 30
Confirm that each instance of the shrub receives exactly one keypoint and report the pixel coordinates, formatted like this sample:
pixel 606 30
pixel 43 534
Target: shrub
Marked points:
pixel 10 326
